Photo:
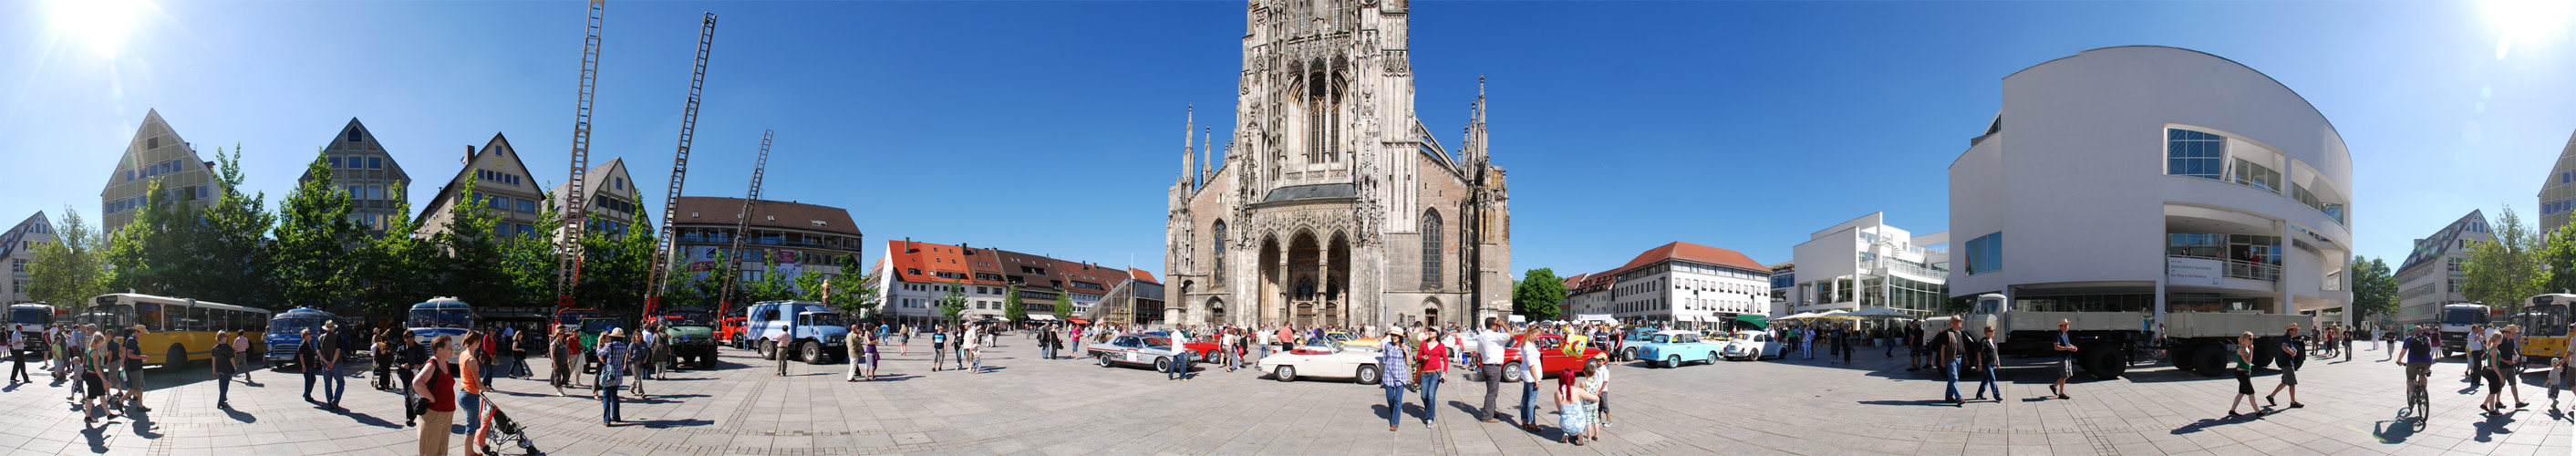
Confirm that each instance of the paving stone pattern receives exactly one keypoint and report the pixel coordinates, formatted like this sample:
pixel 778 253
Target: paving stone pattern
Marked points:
pixel 1024 405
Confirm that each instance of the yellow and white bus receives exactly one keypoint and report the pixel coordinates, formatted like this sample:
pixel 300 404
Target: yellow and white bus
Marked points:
pixel 178 330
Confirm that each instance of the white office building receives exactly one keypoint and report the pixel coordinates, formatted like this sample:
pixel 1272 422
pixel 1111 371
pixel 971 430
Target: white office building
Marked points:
pixel 1680 284
pixel 1866 263
pixel 2431 275
pixel 2153 178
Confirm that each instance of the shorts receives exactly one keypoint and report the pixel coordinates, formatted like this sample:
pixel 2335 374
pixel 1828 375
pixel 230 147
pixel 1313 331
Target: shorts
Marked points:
pixel 2495 384
pixel 2418 370
pixel 2244 382
pixel 95 387
pixel 2065 367
pixel 2290 377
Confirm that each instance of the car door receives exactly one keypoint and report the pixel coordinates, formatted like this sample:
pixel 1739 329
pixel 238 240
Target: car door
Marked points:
pixel 1551 355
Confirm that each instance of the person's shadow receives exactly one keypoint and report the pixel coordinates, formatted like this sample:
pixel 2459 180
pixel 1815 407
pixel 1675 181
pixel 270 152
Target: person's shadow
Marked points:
pixel 238 415
pixel 2206 423
pixel 2495 424
pixel 2397 430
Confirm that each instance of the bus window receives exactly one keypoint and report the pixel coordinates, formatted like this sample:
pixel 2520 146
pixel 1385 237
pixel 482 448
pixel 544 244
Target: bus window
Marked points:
pixel 149 315
pixel 196 319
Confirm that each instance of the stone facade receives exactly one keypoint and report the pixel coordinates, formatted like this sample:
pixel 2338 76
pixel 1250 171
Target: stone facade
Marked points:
pixel 1332 204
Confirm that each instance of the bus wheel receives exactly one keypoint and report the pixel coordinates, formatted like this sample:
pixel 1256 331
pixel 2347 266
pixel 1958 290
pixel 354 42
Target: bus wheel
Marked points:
pixel 177 357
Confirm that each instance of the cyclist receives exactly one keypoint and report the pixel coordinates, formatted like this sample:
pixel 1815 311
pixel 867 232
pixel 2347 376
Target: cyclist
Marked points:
pixel 2419 360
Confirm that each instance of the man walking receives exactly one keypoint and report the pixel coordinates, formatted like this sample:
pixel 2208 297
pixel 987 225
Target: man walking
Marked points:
pixel 2477 354
pixel 1949 350
pixel 1489 347
pixel 1912 337
pixel 221 359
pixel 134 368
pixel 333 383
pixel 778 345
pixel 2289 370
pixel 560 355
pixel 18 355
pixel 1988 359
pixel 938 349
pixel 856 341
pixel 1180 369
pixel 2065 360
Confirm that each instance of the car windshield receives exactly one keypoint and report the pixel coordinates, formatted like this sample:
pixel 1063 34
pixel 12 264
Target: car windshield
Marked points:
pixel 2463 316
pixel 30 316
pixel 442 318
pixel 570 317
pixel 691 317
pixel 294 326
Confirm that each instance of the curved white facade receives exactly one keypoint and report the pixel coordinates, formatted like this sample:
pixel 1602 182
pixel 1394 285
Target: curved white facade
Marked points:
pixel 2129 177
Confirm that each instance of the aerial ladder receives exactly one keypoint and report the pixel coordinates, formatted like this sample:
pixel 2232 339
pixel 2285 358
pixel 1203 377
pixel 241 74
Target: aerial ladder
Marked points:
pixel 576 204
pixel 662 254
pixel 741 229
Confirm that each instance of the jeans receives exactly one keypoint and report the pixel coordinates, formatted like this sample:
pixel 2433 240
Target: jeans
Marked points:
pixel 487 370
pixel 472 406
pixel 1990 384
pixel 334 384
pixel 1180 365
pixel 1953 375
pixel 310 374
pixel 1493 386
pixel 1431 396
pixel 608 405
pixel 1529 401
pixel 1395 404
pixel 224 392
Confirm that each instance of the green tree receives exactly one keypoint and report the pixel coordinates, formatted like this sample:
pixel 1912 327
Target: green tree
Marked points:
pixel 809 286
pixel 2374 291
pixel 231 245
pixel 1011 308
pixel 70 270
pixel 2558 255
pixel 1064 306
pixel 473 270
pixel 772 285
pixel 855 293
pixel 396 269
pixel 150 254
pixel 2502 272
pixel 1538 294
pixel 954 302
pixel 533 261
pixel 314 241
pixel 612 265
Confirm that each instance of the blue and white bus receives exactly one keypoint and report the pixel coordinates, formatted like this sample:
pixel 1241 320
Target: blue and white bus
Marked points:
pixel 443 316
pixel 286 332
pixel 818 336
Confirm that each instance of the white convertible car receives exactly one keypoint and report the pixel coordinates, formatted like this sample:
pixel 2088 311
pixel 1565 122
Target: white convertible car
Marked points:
pixel 1353 362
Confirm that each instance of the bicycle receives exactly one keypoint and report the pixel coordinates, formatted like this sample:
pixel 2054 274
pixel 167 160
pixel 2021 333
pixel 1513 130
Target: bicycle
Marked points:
pixel 2418 400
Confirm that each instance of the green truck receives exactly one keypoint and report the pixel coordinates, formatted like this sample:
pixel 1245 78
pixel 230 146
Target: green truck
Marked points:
pixel 591 328
pixel 691 335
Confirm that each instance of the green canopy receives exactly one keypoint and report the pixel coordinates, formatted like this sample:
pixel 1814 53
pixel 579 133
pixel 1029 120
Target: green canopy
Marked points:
pixel 1757 321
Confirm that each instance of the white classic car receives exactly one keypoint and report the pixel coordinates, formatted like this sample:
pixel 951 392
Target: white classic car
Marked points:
pixel 1751 345
pixel 1353 362
pixel 1133 349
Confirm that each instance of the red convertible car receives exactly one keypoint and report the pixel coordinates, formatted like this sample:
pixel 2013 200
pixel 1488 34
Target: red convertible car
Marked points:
pixel 1552 357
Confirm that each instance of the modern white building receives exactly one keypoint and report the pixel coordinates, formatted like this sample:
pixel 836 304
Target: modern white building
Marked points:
pixel 1866 263
pixel 2431 275
pixel 1680 283
pixel 2153 178
pixel 18 250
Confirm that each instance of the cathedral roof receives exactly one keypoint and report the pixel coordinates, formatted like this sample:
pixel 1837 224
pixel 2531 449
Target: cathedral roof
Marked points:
pixel 1316 191
pixel 1697 253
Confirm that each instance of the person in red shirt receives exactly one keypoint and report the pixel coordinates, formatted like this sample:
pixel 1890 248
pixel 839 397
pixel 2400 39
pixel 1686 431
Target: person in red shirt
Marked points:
pixel 1434 358
pixel 439 387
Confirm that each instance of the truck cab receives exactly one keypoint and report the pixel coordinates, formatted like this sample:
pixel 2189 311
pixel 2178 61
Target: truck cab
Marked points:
pixel 815 331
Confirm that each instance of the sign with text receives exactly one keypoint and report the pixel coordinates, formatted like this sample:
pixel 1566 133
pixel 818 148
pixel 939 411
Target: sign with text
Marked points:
pixel 2192 271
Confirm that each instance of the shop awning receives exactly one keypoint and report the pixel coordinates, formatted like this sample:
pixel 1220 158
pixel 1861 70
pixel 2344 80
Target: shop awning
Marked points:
pixel 1041 317
pixel 1757 321
pixel 1079 321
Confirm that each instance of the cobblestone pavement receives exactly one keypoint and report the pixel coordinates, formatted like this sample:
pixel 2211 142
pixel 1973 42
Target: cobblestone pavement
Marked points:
pixel 1025 405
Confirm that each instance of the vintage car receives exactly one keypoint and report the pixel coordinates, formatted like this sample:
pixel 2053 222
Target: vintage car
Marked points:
pixel 1346 339
pixel 1552 357
pixel 1133 349
pixel 1672 348
pixel 1201 350
pixel 1751 345
pixel 1629 340
pixel 1353 362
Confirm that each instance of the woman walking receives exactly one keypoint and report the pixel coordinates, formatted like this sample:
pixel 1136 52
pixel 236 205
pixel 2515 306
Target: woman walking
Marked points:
pixel 874 339
pixel 470 370
pixel 1434 359
pixel 2244 375
pixel 439 387
pixel 2490 367
pixel 93 380
pixel 1394 376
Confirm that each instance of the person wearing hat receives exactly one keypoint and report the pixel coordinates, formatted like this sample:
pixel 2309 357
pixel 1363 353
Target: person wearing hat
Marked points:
pixel 1394 364
pixel 333 382
pixel 612 370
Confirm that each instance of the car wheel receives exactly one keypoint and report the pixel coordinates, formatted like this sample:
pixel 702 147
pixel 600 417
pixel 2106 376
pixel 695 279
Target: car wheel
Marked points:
pixel 1163 364
pixel 1672 361
pixel 1712 357
pixel 1369 375
pixel 1628 354
pixel 1287 373
pixel 1512 372
pixel 813 352
pixel 1103 357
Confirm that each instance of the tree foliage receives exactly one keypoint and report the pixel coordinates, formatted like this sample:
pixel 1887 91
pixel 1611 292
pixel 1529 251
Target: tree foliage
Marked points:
pixel 2558 254
pixel 533 262
pixel 1011 308
pixel 2374 291
pixel 395 268
pixel 772 285
pixel 954 302
pixel 854 290
pixel 230 246
pixel 315 239
pixel 1539 294
pixel 473 269
pixel 2504 271
pixel 613 267
pixel 72 269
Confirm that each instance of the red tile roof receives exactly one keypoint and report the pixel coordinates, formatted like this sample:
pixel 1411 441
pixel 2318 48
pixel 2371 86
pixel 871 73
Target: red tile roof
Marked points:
pixel 1143 276
pixel 1695 252
pixel 931 259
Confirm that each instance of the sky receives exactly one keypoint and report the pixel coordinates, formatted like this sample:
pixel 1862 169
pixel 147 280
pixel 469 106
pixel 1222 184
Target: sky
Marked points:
pixel 1045 126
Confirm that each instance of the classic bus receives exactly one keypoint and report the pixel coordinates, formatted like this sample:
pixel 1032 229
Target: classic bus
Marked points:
pixel 286 332
pixel 2544 321
pixel 440 317
pixel 31 320
pixel 176 330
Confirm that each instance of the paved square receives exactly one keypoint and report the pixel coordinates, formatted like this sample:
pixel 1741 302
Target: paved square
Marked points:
pixel 1025 405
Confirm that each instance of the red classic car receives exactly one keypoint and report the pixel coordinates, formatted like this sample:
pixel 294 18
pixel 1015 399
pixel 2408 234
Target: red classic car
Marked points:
pixel 1552 357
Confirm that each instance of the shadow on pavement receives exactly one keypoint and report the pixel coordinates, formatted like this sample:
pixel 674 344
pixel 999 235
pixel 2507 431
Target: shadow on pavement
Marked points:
pixel 1920 402
pixel 667 424
pixel 2495 424
pixel 2206 423
pixel 97 437
pixel 2397 430
pixel 240 416
pixel 370 420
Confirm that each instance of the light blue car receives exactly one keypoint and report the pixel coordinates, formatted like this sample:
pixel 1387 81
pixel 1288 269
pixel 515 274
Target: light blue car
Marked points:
pixel 1672 348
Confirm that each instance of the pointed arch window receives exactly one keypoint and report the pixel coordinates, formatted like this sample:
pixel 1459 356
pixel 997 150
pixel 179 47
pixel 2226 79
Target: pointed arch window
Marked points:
pixel 1321 124
pixel 1217 242
pixel 1430 250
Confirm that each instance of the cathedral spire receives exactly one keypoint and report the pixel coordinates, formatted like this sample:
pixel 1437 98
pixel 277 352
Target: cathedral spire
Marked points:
pixel 1207 149
pixel 1188 152
pixel 1475 142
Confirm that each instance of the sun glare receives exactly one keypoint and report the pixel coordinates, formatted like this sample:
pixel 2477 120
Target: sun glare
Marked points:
pixel 2527 21
pixel 103 25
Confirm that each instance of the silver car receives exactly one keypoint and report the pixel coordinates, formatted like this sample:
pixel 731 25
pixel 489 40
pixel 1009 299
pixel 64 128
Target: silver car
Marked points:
pixel 1134 350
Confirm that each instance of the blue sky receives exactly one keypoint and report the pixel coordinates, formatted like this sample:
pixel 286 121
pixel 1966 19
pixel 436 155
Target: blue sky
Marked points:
pixel 1046 127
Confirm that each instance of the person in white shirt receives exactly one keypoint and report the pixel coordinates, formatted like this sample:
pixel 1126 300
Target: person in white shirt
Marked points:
pixel 1262 351
pixel 1530 379
pixel 974 348
pixel 18 358
pixel 1489 349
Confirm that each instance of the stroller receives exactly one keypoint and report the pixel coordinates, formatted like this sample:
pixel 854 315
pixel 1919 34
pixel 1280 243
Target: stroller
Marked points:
pixel 505 432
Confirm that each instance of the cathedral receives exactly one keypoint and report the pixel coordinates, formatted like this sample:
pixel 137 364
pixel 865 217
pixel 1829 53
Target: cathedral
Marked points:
pixel 1333 205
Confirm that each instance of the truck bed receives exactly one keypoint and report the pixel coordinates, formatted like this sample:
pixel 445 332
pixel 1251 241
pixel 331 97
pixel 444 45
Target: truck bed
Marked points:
pixel 2224 324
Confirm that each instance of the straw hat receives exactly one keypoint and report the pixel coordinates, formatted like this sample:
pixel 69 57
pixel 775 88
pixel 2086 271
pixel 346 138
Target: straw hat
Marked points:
pixel 617 333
